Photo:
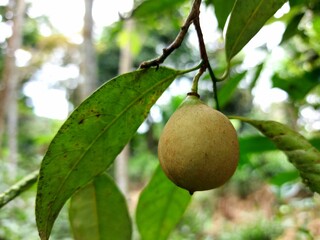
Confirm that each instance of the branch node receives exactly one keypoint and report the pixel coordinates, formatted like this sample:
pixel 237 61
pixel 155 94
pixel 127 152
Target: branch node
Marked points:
pixel 194 13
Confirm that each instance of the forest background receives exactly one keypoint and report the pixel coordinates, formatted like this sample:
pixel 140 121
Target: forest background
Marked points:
pixel 47 70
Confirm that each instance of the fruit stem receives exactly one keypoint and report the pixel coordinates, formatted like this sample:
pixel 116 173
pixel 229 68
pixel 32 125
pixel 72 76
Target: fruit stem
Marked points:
pixel 195 81
pixel 191 69
pixel 193 94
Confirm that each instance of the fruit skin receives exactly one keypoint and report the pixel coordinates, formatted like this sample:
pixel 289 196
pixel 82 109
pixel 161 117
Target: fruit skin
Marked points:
pixel 198 149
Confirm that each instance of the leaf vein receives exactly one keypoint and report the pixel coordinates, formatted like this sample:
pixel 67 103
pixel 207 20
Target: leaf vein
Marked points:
pixel 254 13
pixel 101 134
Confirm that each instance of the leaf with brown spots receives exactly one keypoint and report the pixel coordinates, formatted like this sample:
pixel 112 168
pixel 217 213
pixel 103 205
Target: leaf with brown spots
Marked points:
pixel 93 136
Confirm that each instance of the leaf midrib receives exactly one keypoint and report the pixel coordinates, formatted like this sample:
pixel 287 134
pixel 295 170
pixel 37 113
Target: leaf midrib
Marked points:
pixel 172 192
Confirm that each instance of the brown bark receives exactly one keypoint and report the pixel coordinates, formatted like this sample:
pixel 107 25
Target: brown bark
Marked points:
pixel 10 82
pixel 121 163
pixel 88 67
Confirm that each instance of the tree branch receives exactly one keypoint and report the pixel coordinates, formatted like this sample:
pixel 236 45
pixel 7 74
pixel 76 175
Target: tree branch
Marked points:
pixel 202 47
pixel 18 188
pixel 193 17
pixel 205 59
pixel 215 88
pixel 194 13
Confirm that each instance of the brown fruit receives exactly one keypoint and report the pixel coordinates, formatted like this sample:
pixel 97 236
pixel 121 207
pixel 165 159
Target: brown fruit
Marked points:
pixel 198 149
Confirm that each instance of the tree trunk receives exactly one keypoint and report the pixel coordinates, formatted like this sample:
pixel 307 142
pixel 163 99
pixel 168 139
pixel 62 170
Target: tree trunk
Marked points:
pixel 88 67
pixel 10 81
pixel 121 164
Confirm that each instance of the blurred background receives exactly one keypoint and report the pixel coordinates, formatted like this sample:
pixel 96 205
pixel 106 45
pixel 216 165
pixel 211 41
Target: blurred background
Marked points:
pixel 55 53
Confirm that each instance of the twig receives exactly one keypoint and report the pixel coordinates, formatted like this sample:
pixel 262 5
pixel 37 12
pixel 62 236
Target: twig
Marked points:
pixel 215 88
pixel 194 13
pixel 18 188
pixel 202 47
pixel 205 59
pixel 193 17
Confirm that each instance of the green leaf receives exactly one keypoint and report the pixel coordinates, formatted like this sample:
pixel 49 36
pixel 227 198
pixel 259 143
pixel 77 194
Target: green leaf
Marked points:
pixel 226 92
pixel 255 144
pixel 222 9
pixel 292 27
pixel 298 86
pixel 294 3
pixel 93 136
pixel 99 211
pixel 154 7
pixel 284 177
pixel 259 144
pixel 315 142
pixel 256 76
pixel 160 207
pixel 304 156
pixel 247 18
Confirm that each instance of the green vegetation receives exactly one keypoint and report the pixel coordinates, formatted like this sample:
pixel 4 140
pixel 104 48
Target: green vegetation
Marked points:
pixel 63 182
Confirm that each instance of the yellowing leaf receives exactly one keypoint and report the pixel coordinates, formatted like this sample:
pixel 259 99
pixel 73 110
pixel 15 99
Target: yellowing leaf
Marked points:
pixel 304 156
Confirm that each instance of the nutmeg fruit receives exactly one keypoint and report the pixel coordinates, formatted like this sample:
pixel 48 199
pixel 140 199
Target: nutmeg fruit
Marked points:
pixel 198 149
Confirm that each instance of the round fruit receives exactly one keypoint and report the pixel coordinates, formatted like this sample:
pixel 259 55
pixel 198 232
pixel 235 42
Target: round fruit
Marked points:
pixel 198 149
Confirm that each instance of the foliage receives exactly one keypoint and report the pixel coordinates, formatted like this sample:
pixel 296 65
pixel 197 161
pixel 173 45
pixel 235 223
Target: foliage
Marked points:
pixel 102 215
pixel 245 21
pixel 222 9
pixel 300 152
pixel 101 137
pixel 158 212
pixel 260 230
pixel 76 162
